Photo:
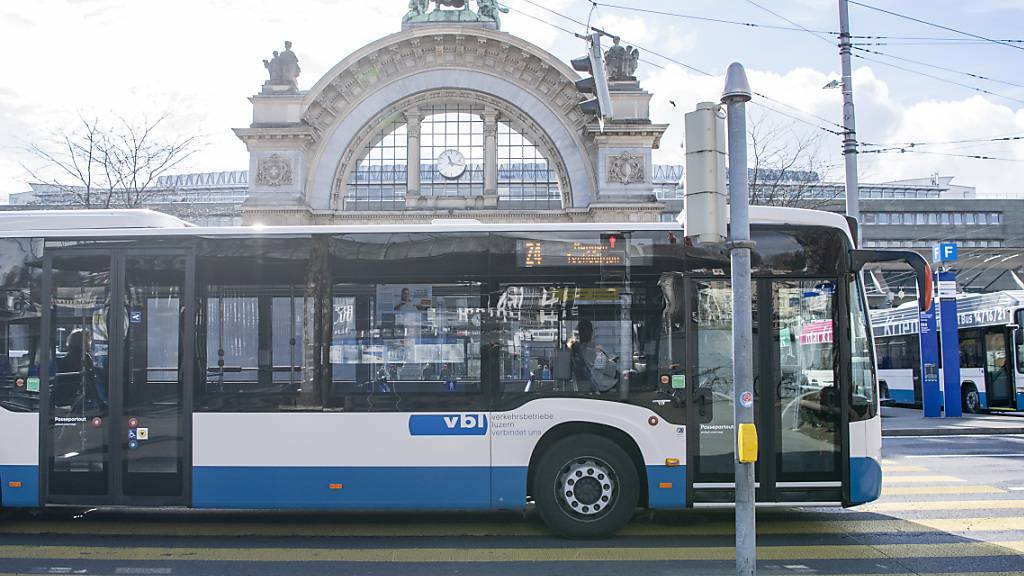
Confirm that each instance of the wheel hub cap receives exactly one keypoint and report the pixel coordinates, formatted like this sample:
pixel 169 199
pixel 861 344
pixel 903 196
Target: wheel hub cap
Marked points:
pixel 586 486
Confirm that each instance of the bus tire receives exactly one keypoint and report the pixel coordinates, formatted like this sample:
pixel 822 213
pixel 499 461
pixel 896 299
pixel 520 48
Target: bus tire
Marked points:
pixel 971 399
pixel 586 486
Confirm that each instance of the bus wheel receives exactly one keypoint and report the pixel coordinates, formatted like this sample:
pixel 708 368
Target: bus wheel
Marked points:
pixel 972 401
pixel 586 486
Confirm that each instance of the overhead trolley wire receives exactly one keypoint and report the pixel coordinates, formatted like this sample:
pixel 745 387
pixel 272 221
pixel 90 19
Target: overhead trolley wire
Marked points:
pixel 1011 44
pixel 708 18
pixel 678 62
pixel 982 140
pixel 780 16
pixel 909 150
pixel 939 78
pixel 937 67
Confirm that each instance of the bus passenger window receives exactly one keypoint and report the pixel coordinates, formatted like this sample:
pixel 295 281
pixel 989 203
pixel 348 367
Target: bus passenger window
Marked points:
pixel 20 323
pixel 256 328
pixel 405 347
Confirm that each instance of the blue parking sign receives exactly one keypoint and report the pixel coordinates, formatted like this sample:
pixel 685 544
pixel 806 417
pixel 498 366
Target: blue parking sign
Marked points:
pixel 944 252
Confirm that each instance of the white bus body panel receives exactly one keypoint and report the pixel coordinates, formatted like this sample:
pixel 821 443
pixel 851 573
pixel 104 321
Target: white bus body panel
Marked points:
pixel 19 458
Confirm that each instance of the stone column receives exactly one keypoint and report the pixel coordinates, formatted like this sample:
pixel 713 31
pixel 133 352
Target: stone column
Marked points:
pixel 490 157
pixel 412 158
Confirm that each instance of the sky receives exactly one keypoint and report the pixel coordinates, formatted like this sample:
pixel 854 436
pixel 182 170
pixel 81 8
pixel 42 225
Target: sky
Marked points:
pixel 199 60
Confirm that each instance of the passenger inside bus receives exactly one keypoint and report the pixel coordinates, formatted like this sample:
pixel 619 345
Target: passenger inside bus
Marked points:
pixel 592 367
pixel 76 374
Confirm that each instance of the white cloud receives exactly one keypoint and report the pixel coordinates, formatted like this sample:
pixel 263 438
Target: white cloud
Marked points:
pixel 880 120
pixel 202 58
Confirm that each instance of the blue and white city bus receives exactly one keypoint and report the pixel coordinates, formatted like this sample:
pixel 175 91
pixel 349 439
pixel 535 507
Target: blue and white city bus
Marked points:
pixel 584 369
pixel 991 351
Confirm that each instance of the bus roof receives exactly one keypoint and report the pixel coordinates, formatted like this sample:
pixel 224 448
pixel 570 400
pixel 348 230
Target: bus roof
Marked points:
pixel 972 310
pixel 53 220
pixel 143 223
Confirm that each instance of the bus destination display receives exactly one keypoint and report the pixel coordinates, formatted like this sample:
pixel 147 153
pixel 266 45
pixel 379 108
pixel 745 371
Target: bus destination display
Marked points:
pixel 540 253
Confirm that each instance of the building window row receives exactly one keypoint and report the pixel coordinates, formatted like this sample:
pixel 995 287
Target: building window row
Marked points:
pixel 898 193
pixel 934 218
pixel 930 243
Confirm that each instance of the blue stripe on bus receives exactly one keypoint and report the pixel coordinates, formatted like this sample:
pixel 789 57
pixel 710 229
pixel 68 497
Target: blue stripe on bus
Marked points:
pixel 1020 400
pixel 24 496
pixel 508 487
pixel 414 488
pixel 673 498
pixel 427 488
pixel 901 396
pixel 865 480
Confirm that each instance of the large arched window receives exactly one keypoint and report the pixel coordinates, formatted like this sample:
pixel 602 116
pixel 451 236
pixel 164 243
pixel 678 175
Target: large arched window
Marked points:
pixel 380 177
pixel 525 177
pixel 452 154
pixel 450 133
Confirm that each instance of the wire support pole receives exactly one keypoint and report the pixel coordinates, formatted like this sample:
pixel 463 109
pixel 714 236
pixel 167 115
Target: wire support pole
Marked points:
pixel 849 118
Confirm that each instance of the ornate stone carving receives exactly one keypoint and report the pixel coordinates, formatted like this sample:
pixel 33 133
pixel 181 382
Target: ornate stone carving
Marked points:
pixel 620 63
pixel 626 168
pixel 274 170
pixel 283 69
pixel 421 53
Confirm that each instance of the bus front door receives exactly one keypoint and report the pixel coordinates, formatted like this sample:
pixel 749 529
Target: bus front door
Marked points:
pixel 796 403
pixel 120 343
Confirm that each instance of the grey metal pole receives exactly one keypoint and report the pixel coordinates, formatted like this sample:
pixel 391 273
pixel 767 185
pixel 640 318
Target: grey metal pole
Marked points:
pixel 735 97
pixel 849 121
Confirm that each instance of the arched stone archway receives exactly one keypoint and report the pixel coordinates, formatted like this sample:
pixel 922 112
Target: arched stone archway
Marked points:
pixel 311 135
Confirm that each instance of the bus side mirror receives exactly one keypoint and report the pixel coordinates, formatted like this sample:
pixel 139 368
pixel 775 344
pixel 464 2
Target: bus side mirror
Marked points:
pixel 922 270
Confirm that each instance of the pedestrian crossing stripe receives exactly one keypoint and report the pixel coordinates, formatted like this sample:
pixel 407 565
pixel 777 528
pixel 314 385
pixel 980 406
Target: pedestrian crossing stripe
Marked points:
pixel 918 479
pixel 894 468
pixel 940 505
pixel 935 490
pixel 468 555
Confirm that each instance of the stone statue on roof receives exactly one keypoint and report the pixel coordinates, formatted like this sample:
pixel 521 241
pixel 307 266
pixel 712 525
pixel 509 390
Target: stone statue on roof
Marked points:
pixel 620 63
pixel 491 9
pixel 284 70
pixel 488 14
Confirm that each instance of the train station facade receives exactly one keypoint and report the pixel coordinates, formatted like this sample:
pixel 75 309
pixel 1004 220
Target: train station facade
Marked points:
pixel 449 119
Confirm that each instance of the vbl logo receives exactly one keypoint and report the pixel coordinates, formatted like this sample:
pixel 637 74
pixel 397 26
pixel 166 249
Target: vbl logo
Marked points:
pixel 448 424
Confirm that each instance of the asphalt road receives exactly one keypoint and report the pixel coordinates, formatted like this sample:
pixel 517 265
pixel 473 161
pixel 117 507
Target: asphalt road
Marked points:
pixel 951 505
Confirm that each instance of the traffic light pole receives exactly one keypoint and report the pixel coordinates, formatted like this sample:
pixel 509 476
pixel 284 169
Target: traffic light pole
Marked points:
pixel 735 97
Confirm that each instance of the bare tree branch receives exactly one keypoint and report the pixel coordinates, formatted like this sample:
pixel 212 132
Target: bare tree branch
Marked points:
pixel 73 159
pixel 787 168
pixel 101 166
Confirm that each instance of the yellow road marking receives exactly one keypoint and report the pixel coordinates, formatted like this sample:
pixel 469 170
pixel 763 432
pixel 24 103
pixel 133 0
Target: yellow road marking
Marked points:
pixel 927 479
pixel 838 525
pixel 894 468
pixel 570 554
pixel 940 505
pixel 908 490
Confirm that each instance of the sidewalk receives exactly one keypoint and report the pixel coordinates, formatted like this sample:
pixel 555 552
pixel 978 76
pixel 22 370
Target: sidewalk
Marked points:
pixel 910 422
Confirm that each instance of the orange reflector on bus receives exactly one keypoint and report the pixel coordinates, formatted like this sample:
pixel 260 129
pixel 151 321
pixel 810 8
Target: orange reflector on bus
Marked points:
pixel 665 485
pixel 335 486
pixel 671 461
pixel 14 484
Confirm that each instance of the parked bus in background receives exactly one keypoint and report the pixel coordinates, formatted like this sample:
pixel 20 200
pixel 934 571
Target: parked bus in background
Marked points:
pixel 991 351
pixel 581 368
